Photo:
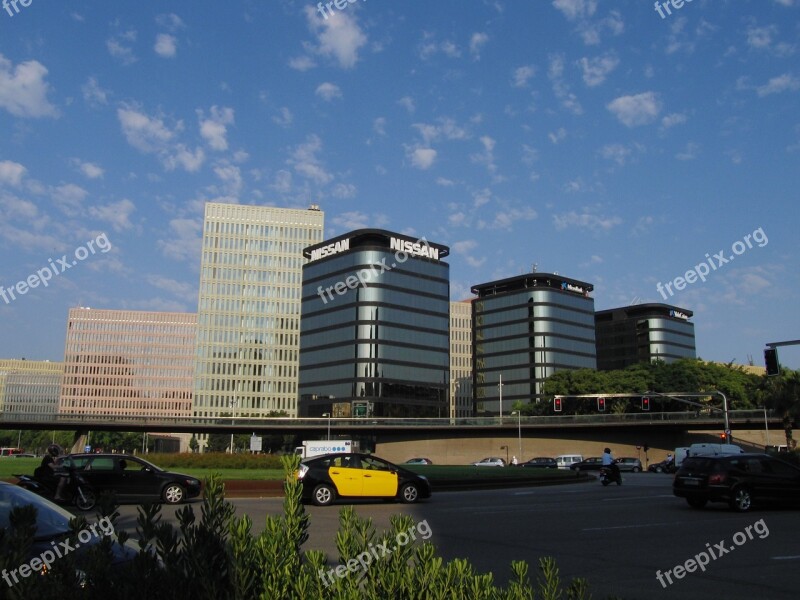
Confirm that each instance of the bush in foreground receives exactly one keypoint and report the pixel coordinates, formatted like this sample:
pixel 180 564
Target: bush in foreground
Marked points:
pixel 219 557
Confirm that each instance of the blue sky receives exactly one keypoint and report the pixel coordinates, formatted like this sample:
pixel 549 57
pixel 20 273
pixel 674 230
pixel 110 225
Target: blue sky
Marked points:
pixel 594 139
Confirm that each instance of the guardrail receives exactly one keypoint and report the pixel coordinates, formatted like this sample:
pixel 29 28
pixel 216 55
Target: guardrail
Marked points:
pixel 8 420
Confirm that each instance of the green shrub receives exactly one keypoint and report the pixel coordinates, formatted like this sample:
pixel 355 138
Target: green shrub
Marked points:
pixel 214 460
pixel 218 557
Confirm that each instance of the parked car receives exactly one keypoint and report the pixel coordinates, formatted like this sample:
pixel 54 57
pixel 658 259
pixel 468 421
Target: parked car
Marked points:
pixel 541 462
pixel 492 461
pixel 351 475
pixel 564 461
pixel 665 466
pixel 52 527
pixel 132 479
pixel 740 480
pixel 419 461
pixel 590 464
pixel 634 465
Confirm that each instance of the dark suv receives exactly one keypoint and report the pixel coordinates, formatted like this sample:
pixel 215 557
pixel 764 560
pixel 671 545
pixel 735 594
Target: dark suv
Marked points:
pixel 739 479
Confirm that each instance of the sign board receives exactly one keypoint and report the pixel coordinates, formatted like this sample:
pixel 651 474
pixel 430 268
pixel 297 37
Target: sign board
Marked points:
pixel 255 443
pixel 87 448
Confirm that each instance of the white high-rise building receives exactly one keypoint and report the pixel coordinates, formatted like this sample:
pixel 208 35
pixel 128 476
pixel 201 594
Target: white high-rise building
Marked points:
pixel 461 359
pixel 248 321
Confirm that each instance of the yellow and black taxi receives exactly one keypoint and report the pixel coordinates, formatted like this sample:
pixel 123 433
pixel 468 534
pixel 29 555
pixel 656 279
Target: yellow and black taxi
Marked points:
pixel 326 478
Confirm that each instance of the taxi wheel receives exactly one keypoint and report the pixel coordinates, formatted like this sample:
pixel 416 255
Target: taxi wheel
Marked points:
pixel 323 495
pixel 409 493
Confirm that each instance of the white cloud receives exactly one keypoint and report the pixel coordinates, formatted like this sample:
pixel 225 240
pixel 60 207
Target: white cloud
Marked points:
pixel 214 129
pixel 560 88
pixel 170 21
pixel 585 220
pixel 285 118
pixel 344 190
pixel 595 70
pixel 446 129
pixel 689 152
pixel 557 136
pixel 407 102
pixel 89 170
pixel 761 37
pixel 148 134
pixel 776 85
pixel 119 50
pixel 305 162
pixel 673 119
pixel 576 9
pixel 117 214
pixel 379 125
pixel 640 109
pixel 444 182
pixel 616 152
pixel 93 94
pixel 486 157
pixel 523 74
pixel 11 172
pixel 69 198
pixel 359 220
pixel 185 240
pixel 166 45
pixel 231 177
pixel 328 91
pixel 476 42
pixel 302 63
pixel 339 36
pixel 422 158
pixel 23 90
pixel 181 156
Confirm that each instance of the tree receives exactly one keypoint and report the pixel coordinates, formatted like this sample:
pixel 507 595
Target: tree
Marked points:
pixel 193 444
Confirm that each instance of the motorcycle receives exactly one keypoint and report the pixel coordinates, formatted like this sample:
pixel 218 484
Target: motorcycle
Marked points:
pixel 609 475
pixel 77 490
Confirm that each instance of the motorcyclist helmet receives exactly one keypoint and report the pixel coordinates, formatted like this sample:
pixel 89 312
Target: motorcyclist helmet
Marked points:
pixel 607 450
pixel 54 450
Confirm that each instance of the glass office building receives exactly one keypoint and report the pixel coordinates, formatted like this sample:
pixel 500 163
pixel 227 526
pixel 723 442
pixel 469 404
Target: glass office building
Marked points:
pixel 248 321
pixel 30 387
pixel 374 335
pixel 643 333
pixel 526 328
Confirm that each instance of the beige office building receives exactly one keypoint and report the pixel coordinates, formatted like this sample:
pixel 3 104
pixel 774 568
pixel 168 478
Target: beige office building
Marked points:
pixel 461 359
pixel 249 308
pixel 30 387
pixel 125 362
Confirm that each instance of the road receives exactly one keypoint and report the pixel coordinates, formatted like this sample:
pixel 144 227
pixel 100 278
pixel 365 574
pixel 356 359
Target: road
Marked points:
pixel 617 537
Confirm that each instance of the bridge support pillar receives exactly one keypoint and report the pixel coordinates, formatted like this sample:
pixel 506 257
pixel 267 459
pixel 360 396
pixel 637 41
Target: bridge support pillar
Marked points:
pixel 79 440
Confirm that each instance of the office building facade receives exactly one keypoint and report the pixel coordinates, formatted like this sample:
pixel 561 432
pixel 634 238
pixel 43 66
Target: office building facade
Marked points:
pixel 374 337
pixel 30 387
pixel 643 333
pixel 125 362
pixel 249 308
pixel 461 359
pixel 526 328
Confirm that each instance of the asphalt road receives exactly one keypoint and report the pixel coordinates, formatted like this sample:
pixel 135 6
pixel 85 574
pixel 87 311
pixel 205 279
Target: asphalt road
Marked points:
pixel 617 537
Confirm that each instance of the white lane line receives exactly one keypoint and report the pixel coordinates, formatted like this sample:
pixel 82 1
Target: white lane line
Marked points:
pixel 638 497
pixel 633 526
pixel 785 557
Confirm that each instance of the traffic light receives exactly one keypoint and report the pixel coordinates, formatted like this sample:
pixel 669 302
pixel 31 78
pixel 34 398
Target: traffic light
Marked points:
pixel 557 404
pixel 771 360
pixel 601 404
pixel 645 403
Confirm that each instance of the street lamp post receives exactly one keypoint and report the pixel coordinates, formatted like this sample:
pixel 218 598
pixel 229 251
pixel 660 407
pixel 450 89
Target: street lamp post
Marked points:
pixel 233 416
pixel 500 387
pixel 519 430
pixel 329 424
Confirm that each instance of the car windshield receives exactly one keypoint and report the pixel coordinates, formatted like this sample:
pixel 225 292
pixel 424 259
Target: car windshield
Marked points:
pixel 51 520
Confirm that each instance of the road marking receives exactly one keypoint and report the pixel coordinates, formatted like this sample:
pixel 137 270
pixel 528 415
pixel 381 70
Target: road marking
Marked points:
pixel 638 497
pixel 633 526
pixel 785 557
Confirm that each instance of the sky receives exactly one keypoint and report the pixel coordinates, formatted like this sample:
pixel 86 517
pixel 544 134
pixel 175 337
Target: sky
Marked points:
pixel 610 142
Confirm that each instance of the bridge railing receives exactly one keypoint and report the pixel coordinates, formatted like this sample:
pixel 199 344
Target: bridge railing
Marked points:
pixel 8 420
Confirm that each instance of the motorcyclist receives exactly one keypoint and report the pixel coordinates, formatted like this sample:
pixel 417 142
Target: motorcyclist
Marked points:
pixel 49 468
pixel 611 465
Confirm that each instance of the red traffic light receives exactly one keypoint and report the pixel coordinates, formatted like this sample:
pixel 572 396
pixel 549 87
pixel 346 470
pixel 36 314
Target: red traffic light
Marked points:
pixel 601 404
pixel 557 404
pixel 645 403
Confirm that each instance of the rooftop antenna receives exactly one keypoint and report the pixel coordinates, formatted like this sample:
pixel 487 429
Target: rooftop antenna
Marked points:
pixel 534 267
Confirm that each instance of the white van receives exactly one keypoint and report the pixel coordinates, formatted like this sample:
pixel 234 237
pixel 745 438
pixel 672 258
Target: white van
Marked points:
pixel 565 460
pixel 713 449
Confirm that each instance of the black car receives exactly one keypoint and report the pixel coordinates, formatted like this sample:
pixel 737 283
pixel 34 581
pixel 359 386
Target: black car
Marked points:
pixel 665 466
pixel 541 462
pixel 132 479
pixel 739 479
pixel 590 464
pixel 346 475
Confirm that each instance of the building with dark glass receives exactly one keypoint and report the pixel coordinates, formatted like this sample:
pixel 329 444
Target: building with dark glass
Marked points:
pixel 374 329
pixel 643 333
pixel 526 328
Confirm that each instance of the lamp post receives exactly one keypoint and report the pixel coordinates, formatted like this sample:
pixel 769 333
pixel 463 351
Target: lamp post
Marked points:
pixel 500 387
pixel 519 430
pixel 233 416
pixel 329 424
